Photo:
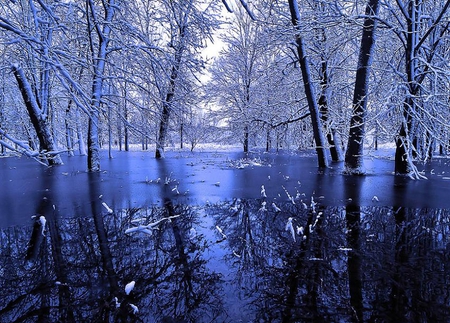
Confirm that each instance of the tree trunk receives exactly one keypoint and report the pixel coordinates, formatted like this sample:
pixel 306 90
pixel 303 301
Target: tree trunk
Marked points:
pixel 181 135
pixel 69 131
pixel 319 137
pixel 80 137
pixel 38 119
pixel 332 135
pixel 97 84
pixel 167 104
pixel 110 137
pixel 119 134
pixel 246 139
pixel 164 124
pixel 403 152
pixel 354 162
pixel 125 123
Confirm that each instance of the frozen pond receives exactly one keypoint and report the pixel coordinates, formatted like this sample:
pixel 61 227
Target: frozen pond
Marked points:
pixel 136 179
pixel 222 237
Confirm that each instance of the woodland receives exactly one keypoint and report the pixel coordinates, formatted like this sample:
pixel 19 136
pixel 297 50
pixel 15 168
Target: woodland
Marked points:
pixel 337 76
pixel 163 233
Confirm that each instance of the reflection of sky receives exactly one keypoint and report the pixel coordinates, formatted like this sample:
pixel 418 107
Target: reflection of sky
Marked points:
pixel 131 180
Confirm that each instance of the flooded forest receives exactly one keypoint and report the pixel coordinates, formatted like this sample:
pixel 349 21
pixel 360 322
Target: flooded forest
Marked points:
pixel 224 161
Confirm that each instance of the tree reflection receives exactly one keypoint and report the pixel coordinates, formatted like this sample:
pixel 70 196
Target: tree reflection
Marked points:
pixel 343 265
pixel 83 264
pixel 289 270
pixel 353 235
pixel 299 262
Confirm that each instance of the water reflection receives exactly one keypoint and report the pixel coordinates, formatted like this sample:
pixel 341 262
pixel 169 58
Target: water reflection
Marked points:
pixel 353 235
pixel 246 259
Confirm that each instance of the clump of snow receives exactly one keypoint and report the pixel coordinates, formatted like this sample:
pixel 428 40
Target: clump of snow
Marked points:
pixel 313 204
pixel 192 233
pixel 42 222
pixel 129 287
pixel 247 162
pixel 221 232
pixel 147 229
pixel 275 207
pixel 263 206
pixel 134 308
pixel 263 191
pixel 108 209
pixel 290 227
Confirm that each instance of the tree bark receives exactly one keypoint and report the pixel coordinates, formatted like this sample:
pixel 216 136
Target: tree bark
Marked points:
pixel 332 135
pixel 167 107
pixel 246 139
pixel 354 162
pixel 69 131
pixel 319 137
pixel 403 155
pixel 38 119
pixel 167 103
pixel 97 83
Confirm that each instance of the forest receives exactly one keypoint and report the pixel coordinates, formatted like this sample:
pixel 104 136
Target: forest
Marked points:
pixel 335 76
pixel 198 161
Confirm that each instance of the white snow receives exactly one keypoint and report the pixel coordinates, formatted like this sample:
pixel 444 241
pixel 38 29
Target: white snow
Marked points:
pixel 192 233
pixel 42 222
pixel 175 189
pixel 263 191
pixel 108 209
pixel 275 207
pixel 221 231
pixel 147 229
pixel 263 206
pixel 135 308
pixel 290 228
pixel 129 287
pixel 313 205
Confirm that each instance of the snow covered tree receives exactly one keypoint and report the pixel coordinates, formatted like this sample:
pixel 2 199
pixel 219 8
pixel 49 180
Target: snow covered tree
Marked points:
pixel 35 29
pixel 319 137
pixel 39 118
pixel 422 40
pixel 354 163
pixel 187 27
pixel 235 75
pixel 99 51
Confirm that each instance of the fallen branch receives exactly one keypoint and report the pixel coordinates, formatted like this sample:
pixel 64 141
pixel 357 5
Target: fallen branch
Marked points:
pixel 25 149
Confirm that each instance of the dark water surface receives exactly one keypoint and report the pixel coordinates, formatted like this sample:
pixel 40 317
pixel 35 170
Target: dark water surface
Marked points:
pixel 223 237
